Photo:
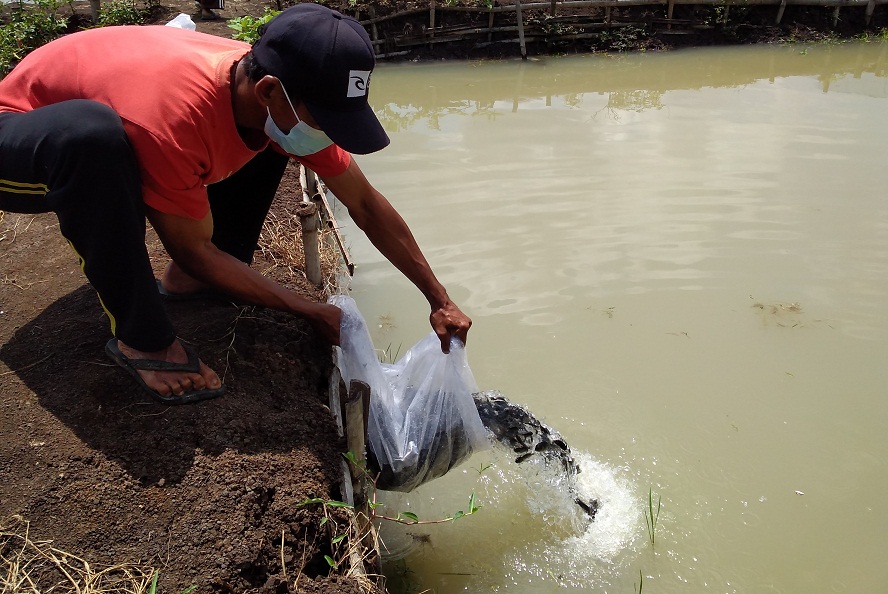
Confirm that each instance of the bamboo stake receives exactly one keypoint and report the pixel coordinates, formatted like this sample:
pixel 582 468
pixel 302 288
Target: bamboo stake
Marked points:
pixel 356 435
pixel 373 26
pixel 870 8
pixel 308 220
pixel 669 14
pixel 780 11
pixel 835 19
pixel 521 30
pixel 432 18
pixel 490 24
pixel 319 196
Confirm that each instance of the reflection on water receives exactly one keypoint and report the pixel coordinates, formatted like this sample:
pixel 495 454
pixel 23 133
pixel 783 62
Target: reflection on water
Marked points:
pixel 680 262
pixel 630 82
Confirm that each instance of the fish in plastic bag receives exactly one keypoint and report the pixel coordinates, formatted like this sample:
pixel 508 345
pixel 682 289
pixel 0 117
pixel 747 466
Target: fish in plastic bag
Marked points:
pixel 423 420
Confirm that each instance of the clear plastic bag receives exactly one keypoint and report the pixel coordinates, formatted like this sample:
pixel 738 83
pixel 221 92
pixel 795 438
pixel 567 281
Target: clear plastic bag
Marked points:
pixel 423 420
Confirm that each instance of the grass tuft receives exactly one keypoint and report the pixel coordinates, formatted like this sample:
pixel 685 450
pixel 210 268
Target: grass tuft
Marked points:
pixel 652 515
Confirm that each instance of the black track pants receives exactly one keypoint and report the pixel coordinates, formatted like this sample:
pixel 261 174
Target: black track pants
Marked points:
pixel 73 158
pixel 240 203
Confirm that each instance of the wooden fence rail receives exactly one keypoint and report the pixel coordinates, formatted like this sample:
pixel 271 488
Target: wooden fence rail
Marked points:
pixel 516 27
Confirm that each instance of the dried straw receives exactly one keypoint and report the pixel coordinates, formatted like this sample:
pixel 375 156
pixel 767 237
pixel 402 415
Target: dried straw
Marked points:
pixel 280 243
pixel 36 567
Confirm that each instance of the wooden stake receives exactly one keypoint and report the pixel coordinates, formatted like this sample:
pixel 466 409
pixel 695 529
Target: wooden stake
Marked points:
pixel 870 8
pixel 307 211
pixel 308 219
pixel 669 14
pixel 373 28
pixel 431 18
pixel 356 435
pixel 780 11
pixel 520 30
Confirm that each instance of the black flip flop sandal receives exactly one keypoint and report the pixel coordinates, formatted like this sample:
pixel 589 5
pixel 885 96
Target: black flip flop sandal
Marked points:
pixel 132 366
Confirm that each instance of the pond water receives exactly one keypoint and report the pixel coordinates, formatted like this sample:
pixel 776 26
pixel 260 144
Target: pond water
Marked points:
pixel 680 262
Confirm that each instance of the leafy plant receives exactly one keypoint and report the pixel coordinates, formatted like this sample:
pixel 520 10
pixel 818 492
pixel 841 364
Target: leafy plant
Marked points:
pixel 122 12
pixel 624 39
pixel 246 28
pixel 404 517
pixel 408 518
pixel 28 27
pixel 652 516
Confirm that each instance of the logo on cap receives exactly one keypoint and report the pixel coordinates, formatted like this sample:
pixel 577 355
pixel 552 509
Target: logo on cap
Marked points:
pixel 358 81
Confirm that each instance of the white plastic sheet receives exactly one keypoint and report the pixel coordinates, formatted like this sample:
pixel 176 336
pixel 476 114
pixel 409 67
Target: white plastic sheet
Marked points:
pixel 423 420
pixel 182 21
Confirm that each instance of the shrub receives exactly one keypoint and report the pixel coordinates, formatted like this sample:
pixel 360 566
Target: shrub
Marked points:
pixel 27 27
pixel 123 12
pixel 246 28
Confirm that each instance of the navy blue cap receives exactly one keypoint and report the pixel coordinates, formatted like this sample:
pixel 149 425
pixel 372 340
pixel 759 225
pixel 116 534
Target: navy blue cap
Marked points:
pixel 325 58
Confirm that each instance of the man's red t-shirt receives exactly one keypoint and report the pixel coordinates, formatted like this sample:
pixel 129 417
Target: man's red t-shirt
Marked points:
pixel 171 87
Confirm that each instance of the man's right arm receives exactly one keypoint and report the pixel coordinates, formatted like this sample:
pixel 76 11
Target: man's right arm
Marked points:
pixel 188 242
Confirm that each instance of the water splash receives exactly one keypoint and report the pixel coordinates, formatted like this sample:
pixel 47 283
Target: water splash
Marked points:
pixel 531 531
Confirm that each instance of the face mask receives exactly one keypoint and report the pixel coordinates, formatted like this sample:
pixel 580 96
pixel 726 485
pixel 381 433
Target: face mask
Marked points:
pixel 301 140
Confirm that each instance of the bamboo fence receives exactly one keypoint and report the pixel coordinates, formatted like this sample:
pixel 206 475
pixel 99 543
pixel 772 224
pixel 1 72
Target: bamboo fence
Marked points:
pixel 559 21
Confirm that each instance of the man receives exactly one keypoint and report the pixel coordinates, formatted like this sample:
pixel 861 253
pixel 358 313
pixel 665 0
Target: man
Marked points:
pixel 108 126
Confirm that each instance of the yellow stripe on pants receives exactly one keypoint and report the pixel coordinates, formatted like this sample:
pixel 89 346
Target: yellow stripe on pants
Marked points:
pixel 23 188
pixel 102 303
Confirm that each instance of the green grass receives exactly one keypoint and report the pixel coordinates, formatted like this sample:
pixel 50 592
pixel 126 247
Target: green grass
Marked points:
pixel 153 588
pixel 652 516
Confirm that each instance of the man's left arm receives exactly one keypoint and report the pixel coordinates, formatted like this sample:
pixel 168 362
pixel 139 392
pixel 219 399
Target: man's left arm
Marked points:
pixel 385 228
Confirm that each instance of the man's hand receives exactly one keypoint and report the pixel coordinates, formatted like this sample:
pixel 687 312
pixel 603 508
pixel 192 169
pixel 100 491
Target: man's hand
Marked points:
pixel 388 232
pixel 449 321
pixel 327 321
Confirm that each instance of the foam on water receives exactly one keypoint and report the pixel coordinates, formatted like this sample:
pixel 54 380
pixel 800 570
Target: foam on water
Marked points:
pixel 616 523
pixel 596 551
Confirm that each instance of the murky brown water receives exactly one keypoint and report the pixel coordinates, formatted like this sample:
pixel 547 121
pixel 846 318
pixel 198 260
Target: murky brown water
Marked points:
pixel 679 261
